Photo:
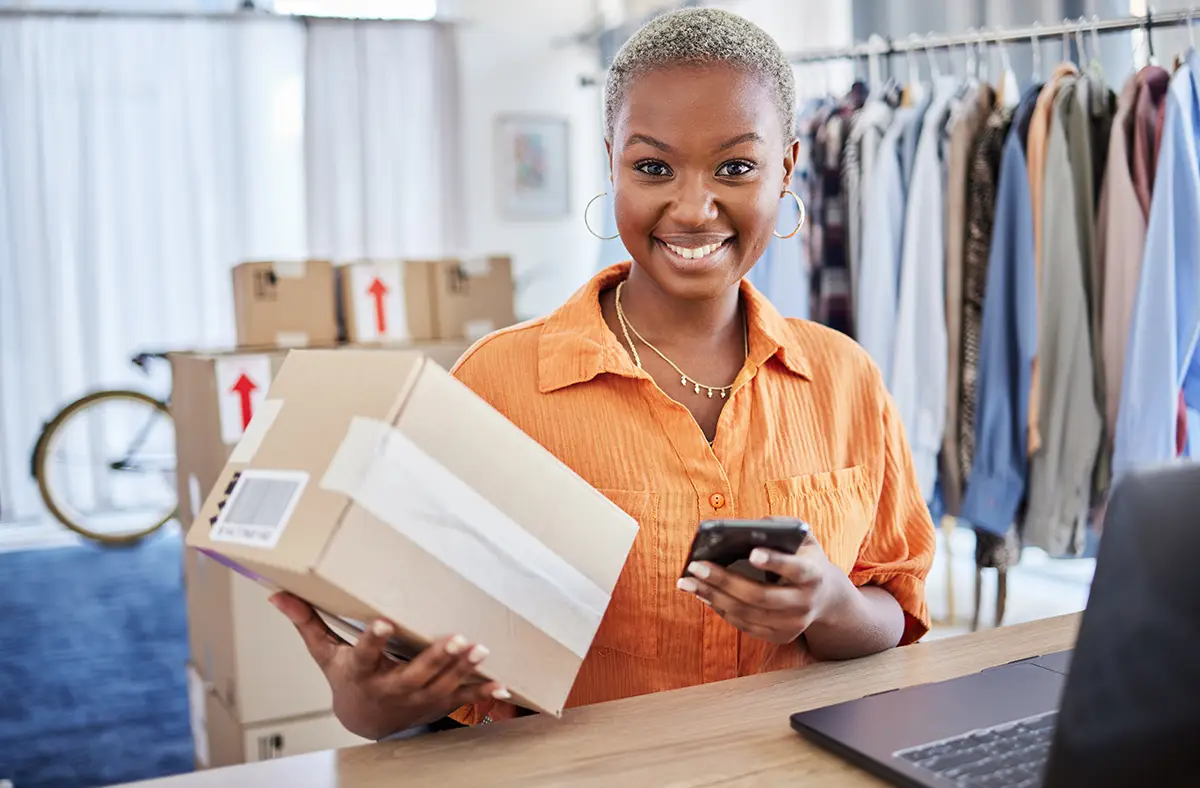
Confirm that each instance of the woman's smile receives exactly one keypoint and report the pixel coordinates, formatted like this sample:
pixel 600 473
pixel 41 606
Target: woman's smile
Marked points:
pixel 694 256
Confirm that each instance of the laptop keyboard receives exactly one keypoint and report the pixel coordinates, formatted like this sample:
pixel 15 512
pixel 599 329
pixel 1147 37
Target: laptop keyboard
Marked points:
pixel 1012 755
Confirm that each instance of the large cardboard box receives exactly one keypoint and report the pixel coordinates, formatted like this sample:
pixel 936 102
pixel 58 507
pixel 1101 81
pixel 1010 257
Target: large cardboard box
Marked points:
pixel 386 301
pixel 220 739
pixel 249 653
pixel 285 304
pixel 372 483
pixel 474 297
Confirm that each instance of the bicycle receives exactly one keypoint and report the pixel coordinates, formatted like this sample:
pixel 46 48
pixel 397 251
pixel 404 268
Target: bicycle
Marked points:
pixel 122 474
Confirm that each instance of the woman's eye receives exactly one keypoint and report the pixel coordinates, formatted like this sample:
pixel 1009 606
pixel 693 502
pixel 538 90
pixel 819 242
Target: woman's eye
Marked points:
pixel 655 169
pixel 733 169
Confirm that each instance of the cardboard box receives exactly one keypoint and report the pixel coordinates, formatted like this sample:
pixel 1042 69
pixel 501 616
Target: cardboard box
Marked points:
pixel 389 301
pixel 372 483
pixel 249 653
pixel 474 297
pixel 220 740
pixel 285 304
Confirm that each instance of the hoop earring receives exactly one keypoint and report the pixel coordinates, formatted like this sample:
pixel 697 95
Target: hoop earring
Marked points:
pixel 803 215
pixel 589 226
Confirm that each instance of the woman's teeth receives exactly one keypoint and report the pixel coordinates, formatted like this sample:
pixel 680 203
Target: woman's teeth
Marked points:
pixel 695 254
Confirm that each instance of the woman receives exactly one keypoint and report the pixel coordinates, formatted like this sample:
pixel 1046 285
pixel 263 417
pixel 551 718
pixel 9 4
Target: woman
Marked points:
pixel 677 390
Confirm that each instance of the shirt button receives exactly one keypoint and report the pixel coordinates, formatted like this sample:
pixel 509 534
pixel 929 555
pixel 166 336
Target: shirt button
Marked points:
pixel 717 500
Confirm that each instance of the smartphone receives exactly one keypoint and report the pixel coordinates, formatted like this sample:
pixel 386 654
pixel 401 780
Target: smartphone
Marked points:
pixel 728 544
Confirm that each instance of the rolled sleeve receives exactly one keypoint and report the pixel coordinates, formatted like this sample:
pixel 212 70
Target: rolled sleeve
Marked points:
pixel 897 553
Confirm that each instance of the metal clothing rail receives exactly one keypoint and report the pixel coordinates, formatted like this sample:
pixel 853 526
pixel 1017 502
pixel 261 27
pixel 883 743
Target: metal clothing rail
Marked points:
pixel 879 46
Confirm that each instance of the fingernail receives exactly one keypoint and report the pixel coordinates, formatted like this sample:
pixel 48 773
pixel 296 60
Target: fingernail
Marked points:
pixel 275 599
pixel 502 694
pixel 759 557
pixel 455 645
pixel 381 629
pixel 699 570
pixel 477 655
pixel 687 585
pixel 705 601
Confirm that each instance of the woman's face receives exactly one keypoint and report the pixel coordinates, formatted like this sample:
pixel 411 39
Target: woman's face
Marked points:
pixel 699 162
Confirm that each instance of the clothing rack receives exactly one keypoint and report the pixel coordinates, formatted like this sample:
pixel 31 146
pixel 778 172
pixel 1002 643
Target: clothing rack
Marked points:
pixel 880 46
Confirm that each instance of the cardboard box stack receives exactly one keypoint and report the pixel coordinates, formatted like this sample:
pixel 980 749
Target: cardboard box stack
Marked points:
pixel 377 302
pixel 254 690
pixel 372 483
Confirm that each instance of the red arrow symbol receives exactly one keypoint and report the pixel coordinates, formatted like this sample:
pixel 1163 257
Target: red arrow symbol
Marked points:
pixel 378 289
pixel 243 388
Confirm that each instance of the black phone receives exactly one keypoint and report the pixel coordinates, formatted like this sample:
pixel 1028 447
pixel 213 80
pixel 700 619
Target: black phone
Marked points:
pixel 728 544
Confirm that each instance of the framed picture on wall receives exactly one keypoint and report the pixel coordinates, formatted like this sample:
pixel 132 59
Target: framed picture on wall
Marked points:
pixel 532 163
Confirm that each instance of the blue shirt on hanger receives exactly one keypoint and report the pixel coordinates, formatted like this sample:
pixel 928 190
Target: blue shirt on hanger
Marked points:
pixel 1007 345
pixel 882 243
pixel 1162 355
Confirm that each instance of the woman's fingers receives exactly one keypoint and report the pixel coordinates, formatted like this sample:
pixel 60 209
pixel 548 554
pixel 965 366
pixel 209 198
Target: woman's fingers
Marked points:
pixel 478 693
pixel 458 673
pixel 322 644
pixel 368 651
pixel 427 665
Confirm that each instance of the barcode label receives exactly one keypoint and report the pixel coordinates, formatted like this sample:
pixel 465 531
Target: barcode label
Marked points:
pixel 259 508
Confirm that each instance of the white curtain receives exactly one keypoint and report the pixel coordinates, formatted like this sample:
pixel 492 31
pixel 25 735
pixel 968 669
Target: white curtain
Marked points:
pixel 139 160
pixel 383 146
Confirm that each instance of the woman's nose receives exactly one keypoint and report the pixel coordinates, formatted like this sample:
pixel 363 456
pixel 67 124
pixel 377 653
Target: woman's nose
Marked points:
pixel 695 205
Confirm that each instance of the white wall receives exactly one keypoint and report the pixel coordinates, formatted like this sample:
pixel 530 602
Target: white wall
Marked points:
pixel 512 62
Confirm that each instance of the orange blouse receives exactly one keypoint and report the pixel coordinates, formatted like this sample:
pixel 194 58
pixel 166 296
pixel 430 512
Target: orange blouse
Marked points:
pixel 809 431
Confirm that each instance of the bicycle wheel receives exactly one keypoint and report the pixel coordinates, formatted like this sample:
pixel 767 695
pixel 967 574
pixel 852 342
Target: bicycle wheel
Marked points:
pixel 105 466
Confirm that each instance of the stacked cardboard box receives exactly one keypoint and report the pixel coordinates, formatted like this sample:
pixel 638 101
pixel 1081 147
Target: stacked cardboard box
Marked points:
pixel 315 304
pixel 254 690
pixel 406 496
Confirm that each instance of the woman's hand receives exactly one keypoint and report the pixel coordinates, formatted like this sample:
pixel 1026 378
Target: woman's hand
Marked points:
pixel 812 590
pixel 375 697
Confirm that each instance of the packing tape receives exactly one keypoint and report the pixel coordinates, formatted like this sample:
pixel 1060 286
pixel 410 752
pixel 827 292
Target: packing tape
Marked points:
pixel 290 269
pixel 387 474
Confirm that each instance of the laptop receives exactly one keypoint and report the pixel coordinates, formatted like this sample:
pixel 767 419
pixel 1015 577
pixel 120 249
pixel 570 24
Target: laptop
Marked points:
pixel 1120 709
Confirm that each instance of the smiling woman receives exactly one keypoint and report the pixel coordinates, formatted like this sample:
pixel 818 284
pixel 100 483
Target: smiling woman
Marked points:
pixel 678 391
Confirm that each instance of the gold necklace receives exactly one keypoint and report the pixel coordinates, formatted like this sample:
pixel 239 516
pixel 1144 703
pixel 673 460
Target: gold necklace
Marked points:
pixel 684 378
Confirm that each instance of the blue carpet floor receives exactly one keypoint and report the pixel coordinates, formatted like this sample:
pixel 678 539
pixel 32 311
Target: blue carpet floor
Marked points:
pixel 93 645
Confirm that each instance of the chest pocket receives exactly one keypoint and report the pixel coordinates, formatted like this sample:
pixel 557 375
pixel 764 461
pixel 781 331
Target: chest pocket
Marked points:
pixel 837 504
pixel 631 623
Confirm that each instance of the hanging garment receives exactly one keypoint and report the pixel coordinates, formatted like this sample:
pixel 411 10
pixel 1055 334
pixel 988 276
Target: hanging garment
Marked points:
pixel 1090 121
pixel 830 276
pixel 884 202
pixel 1152 84
pixel 965 126
pixel 981 211
pixel 918 381
pixel 1060 473
pixel 1161 356
pixel 1007 342
pixel 1120 243
pixel 1039 135
pixel 858 167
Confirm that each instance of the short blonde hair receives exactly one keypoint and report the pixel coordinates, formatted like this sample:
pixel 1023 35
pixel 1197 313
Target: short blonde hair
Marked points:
pixel 701 36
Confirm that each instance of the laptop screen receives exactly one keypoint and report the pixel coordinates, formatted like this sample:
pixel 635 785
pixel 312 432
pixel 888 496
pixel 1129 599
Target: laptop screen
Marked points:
pixel 1130 712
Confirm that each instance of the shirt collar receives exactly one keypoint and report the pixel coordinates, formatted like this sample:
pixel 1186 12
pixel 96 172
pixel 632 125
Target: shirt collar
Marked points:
pixel 576 344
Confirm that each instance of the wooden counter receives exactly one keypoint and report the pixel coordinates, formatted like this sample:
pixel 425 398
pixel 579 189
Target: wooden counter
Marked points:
pixel 730 733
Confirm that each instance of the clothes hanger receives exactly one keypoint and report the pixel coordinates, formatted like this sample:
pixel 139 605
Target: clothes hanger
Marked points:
pixel 935 71
pixel 914 91
pixel 1097 65
pixel 876 46
pixel 1009 90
